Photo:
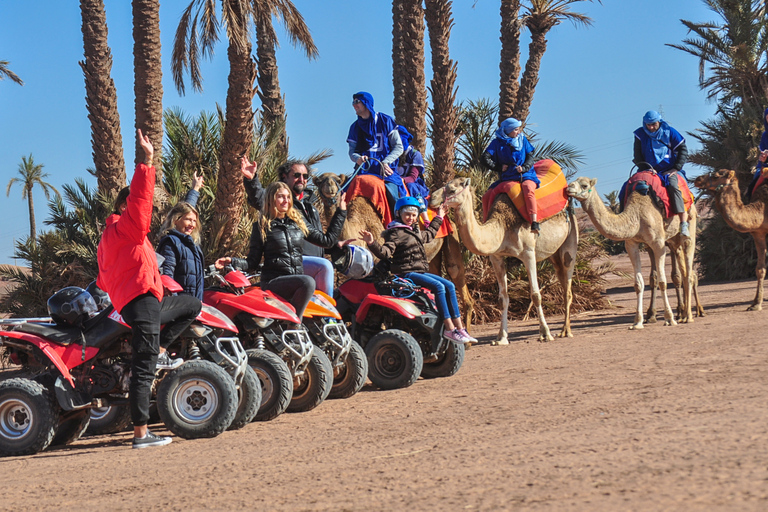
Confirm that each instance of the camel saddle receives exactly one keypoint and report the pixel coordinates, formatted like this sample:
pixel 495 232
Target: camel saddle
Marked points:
pixel 372 188
pixel 551 197
pixel 649 183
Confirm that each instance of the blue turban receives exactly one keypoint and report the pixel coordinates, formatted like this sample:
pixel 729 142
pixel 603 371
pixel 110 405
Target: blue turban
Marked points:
pixel 405 136
pixel 651 117
pixel 507 126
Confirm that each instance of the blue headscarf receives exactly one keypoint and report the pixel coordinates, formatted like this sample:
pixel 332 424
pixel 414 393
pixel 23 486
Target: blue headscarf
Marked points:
pixel 661 139
pixel 507 126
pixel 405 136
pixel 367 126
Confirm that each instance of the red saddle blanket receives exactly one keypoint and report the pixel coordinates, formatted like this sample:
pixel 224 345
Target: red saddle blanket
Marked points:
pixel 658 190
pixel 551 197
pixel 372 188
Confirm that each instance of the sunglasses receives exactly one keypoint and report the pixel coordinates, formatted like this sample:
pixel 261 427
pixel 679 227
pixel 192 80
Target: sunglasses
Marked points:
pixel 300 176
pixel 355 102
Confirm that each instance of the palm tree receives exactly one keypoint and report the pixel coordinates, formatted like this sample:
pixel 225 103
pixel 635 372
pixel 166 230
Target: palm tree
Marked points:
pixel 272 102
pixel 443 89
pixel 31 174
pixel 540 17
pixel 410 92
pixel 148 79
pixel 7 73
pixel 101 99
pixel 509 65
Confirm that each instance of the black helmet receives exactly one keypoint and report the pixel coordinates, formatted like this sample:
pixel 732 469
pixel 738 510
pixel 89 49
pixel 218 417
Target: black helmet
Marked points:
pixel 71 306
pixel 99 296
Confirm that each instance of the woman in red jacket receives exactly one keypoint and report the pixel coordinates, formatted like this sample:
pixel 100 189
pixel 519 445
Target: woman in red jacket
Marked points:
pixel 128 273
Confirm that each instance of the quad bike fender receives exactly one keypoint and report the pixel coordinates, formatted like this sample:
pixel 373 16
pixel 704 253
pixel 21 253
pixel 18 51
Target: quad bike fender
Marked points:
pixel 63 357
pixel 400 306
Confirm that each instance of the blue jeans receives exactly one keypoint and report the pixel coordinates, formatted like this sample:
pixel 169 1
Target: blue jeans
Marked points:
pixel 444 290
pixel 322 271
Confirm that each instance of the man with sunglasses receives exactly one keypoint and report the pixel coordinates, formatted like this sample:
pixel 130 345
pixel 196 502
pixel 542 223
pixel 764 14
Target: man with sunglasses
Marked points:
pixel 295 174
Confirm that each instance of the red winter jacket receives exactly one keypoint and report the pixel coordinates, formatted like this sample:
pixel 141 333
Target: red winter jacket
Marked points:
pixel 127 262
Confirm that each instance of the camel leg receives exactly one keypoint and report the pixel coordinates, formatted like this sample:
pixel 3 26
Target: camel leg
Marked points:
pixel 500 269
pixel 677 279
pixel 685 268
pixel 759 238
pixel 528 257
pixel 695 292
pixel 454 264
pixel 653 284
pixel 659 254
pixel 564 261
pixel 633 250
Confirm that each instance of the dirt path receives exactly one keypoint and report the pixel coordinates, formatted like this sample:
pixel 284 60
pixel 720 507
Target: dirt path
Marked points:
pixel 667 418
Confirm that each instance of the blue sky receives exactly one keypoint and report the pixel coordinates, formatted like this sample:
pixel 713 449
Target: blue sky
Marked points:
pixel 595 83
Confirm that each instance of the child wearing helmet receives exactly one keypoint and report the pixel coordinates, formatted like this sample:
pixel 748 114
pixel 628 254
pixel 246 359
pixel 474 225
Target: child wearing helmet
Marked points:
pixel 404 248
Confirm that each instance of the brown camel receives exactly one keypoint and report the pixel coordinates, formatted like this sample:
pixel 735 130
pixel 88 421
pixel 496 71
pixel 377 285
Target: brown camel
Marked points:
pixel 749 218
pixel 506 233
pixel 361 215
pixel 643 222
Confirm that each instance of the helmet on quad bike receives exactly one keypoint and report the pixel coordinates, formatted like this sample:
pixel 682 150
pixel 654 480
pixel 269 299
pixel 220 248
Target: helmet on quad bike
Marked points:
pixel 71 306
pixel 404 202
pixel 99 296
pixel 355 263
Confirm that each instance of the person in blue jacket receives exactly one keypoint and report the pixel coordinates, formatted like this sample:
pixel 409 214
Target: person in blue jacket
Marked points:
pixel 762 156
pixel 660 147
pixel 374 136
pixel 511 155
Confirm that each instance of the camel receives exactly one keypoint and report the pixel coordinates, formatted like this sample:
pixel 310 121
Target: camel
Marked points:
pixel 676 255
pixel 506 233
pixel 749 218
pixel 643 222
pixel 361 215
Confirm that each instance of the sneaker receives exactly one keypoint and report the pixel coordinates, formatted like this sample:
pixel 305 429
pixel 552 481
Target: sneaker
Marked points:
pixel 684 229
pixel 535 227
pixel 466 335
pixel 164 362
pixel 453 335
pixel 150 440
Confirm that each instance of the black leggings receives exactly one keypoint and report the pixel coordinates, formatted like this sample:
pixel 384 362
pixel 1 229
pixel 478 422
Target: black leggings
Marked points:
pixel 296 289
pixel 145 314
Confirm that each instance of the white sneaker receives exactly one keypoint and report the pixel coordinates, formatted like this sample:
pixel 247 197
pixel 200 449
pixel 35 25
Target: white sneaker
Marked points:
pixel 684 229
pixel 164 362
pixel 468 336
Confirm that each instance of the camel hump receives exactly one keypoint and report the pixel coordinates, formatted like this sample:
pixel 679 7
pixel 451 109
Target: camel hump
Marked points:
pixel 551 196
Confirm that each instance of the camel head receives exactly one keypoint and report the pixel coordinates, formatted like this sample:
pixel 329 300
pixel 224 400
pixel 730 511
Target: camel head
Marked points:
pixel 715 180
pixel 328 185
pixel 455 192
pixel 581 188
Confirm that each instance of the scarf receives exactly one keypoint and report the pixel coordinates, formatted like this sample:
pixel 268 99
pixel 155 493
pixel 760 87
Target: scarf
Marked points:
pixel 507 126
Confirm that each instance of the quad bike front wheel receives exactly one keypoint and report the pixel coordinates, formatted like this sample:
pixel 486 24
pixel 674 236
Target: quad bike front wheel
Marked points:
pixel 394 359
pixel 197 399
pixel 313 387
pixel 28 417
pixel 72 425
pixel 349 377
pixel 249 396
pixel 109 419
pixel 276 383
pixel 447 364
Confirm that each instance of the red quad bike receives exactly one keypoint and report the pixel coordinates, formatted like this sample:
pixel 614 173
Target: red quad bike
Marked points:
pixel 83 362
pixel 329 334
pixel 400 330
pixel 294 375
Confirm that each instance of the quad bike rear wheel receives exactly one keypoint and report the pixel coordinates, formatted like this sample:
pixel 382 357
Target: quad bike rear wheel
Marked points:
pixel 394 359
pixel 72 425
pixel 447 364
pixel 276 383
pixel 349 378
pixel 109 419
pixel 249 396
pixel 28 417
pixel 197 399
pixel 313 387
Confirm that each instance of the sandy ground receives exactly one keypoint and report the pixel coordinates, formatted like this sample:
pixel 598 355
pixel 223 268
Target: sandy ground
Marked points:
pixel 667 418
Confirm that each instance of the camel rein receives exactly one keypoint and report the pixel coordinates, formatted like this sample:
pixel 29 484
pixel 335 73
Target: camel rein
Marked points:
pixel 446 198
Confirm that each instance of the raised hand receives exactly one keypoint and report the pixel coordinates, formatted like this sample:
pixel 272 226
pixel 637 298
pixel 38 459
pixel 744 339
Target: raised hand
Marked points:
pixel 366 236
pixel 343 200
pixel 146 145
pixel 197 181
pixel 248 168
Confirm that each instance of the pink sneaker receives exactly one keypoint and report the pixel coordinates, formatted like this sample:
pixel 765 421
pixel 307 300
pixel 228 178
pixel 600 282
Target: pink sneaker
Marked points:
pixel 467 336
pixel 453 335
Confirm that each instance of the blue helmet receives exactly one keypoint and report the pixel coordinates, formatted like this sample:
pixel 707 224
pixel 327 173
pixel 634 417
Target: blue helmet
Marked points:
pixel 407 201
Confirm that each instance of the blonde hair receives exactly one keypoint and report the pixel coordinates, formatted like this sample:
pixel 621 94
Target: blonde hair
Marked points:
pixel 181 209
pixel 269 209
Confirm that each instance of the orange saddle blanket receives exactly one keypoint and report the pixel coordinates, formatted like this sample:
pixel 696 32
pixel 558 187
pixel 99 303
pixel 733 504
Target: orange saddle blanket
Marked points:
pixel 551 197
pixel 372 188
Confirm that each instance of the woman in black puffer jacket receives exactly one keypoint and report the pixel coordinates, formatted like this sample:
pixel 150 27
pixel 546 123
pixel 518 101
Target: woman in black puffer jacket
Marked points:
pixel 279 237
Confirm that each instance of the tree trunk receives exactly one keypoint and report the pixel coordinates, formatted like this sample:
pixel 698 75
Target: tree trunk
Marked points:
pixel 410 92
pixel 148 80
pixel 272 102
pixel 101 100
pixel 440 22
pixel 236 142
pixel 531 74
pixel 32 223
pixel 509 64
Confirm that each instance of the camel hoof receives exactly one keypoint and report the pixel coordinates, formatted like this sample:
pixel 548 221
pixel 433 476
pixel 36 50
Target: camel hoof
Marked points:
pixel 500 342
pixel 565 334
pixel 635 327
pixel 669 323
pixel 546 337
pixel 755 307
pixel 651 319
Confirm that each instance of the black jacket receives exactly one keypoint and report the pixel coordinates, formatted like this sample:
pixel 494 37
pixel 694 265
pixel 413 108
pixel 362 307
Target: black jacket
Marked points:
pixel 255 193
pixel 282 250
